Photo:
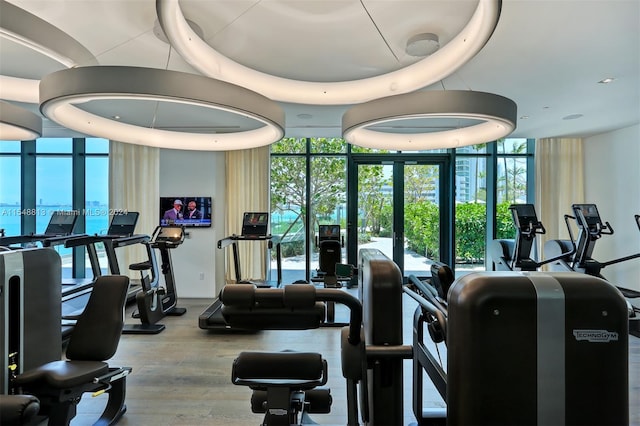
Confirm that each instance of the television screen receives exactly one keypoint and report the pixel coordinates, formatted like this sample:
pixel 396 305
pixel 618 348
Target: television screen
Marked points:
pixel 190 212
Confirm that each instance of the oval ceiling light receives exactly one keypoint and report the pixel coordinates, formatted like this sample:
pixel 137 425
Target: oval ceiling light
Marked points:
pixel 483 117
pixel 18 124
pixel 421 74
pixel 61 91
pixel 34 33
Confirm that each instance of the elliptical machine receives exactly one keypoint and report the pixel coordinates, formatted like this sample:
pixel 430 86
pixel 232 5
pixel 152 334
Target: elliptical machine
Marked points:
pixel 591 228
pixel 515 255
pixel 155 302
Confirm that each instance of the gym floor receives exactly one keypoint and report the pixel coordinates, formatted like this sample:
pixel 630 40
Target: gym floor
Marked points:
pixel 182 376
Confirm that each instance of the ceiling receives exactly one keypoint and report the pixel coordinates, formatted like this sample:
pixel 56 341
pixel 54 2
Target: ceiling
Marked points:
pixel 547 56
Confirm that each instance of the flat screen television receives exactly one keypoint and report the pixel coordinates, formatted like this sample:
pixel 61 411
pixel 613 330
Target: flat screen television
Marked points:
pixel 190 212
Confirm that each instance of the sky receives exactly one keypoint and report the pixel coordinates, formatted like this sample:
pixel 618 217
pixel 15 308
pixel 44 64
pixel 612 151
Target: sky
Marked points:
pixel 53 173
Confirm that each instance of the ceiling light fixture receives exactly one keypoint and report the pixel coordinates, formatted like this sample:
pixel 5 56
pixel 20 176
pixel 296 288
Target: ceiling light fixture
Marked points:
pixel 423 44
pixel 471 117
pixel 421 74
pixel 18 124
pixel 572 116
pixel 24 28
pixel 62 91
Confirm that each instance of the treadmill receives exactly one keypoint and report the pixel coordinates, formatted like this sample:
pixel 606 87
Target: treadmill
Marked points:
pixel 254 229
pixel 59 229
pixel 121 233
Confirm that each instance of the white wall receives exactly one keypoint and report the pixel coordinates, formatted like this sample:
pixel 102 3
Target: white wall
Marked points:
pixel 198 264
pixel 612 181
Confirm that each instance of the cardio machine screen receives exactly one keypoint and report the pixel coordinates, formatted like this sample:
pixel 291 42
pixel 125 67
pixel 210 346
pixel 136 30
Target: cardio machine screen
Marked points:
pixel 524 214
pixel 62 222
pixel 255 224
pixel 172 234
pixel 589 212
pixel 329 232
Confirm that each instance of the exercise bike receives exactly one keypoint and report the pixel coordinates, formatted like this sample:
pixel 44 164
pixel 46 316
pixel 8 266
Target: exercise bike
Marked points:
pixel 153 301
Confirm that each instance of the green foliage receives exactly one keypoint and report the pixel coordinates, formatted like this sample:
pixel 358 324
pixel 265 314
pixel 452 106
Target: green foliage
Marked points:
pixel 292 248
pixel 385 220
pixel 471 228
pixel 422 228
pixel 372 200
pixel 504 222
pixel 328 145
pixel 289 146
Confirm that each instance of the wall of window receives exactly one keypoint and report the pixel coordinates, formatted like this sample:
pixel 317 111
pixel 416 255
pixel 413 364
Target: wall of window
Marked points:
pixel 50 174
pixel 309 186
pixel 10 187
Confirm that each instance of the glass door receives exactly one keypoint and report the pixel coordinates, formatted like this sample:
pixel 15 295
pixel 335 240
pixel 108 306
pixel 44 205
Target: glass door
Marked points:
pixel 403 210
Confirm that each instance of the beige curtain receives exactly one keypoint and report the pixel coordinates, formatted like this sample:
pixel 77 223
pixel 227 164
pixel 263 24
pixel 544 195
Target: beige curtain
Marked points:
pixel 134 173
pixel 559 183
pixel 247 191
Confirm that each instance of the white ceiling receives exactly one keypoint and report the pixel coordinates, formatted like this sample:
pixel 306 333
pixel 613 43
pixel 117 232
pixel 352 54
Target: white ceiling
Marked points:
pixel 546 55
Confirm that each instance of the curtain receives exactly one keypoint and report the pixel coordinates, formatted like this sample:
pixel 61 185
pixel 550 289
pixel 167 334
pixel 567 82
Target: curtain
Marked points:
pixel 134 173
pixel 559 184
pixel 247 191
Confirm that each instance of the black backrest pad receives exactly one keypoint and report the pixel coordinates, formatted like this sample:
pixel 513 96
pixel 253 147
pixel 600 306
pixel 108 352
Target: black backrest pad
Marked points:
pixel 278 365
pixel 97 332
pixel 290 308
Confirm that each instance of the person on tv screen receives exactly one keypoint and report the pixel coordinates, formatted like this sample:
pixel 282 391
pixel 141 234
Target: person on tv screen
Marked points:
pixel 192 211
pixel 174 213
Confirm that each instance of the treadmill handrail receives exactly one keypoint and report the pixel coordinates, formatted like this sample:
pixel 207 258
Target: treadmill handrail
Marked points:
pixel 227 241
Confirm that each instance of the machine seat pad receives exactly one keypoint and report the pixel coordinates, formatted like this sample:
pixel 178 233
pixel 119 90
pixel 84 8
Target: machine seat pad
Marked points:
pixel 63 374
pixel 140 266
pixel 295 369
pixel 18 409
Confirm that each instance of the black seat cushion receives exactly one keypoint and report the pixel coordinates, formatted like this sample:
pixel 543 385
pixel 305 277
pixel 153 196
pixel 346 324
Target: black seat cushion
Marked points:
pixel 62 374
pixel 18 409
pixel 279 365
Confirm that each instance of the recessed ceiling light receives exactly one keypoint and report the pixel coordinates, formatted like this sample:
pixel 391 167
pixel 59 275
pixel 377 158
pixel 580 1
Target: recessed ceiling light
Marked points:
pixel 423 44
pixel 304 116
pixel 572 116
pixel 524 117
pixel 606 80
